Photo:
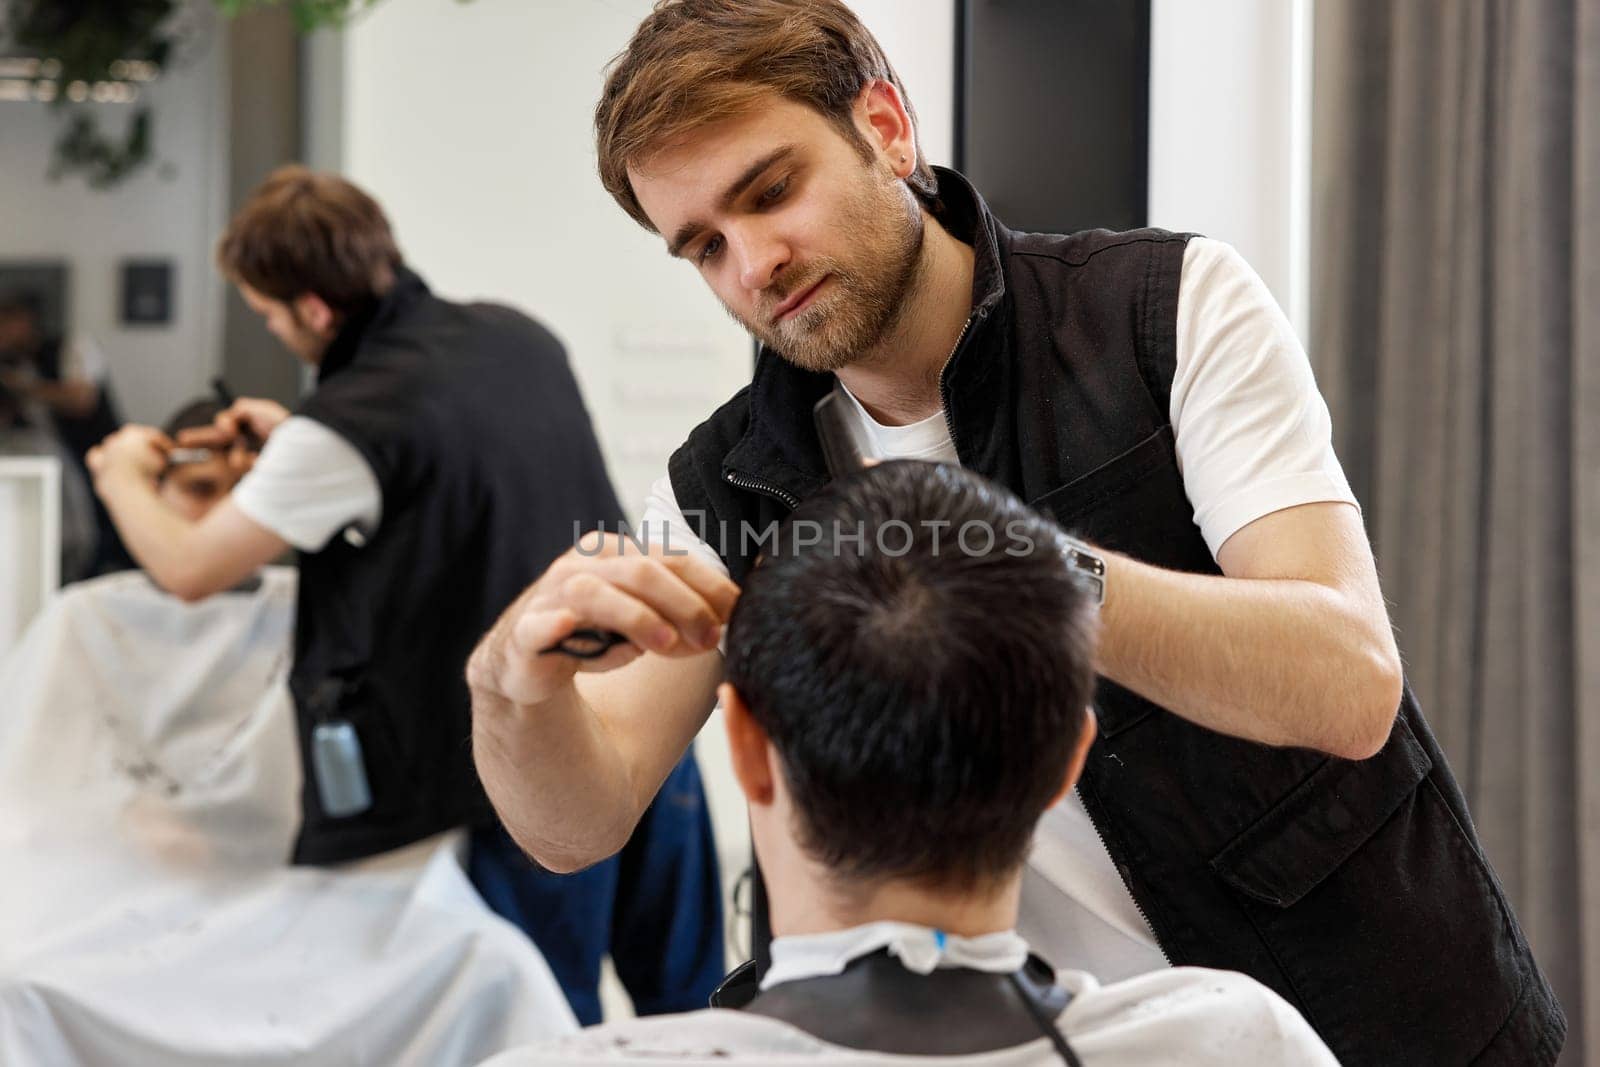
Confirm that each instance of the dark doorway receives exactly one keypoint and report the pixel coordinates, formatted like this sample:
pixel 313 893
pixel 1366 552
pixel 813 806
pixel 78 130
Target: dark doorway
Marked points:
pixel 1053 110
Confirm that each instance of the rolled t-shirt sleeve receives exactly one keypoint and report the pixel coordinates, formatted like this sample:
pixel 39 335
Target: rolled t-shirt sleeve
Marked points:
pixel 308 484
pixel 1252 432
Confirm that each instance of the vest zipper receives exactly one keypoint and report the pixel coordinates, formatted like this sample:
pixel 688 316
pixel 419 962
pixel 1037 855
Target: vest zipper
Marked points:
pixel 1148 925
pixel 741 482
pixel 944 400
pixel 793 502
pixel 944 389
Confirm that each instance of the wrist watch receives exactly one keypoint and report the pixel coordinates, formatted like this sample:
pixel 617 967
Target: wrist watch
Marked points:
pixel 1088 565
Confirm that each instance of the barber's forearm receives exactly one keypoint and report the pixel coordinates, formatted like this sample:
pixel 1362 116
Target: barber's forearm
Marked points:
pixel 155 535
pixel 557 780
pixel 1284 662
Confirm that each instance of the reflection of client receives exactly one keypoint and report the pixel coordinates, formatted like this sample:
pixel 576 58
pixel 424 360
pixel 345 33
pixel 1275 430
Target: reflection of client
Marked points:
pixel 200 478
pixel 118 641
pixel 899 721
pixel 443 457
pixel 149 785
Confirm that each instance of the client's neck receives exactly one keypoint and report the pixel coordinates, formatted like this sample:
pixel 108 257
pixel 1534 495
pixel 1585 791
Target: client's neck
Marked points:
pixel 820 904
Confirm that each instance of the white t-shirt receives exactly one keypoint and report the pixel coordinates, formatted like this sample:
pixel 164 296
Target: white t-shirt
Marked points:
pixel 1252 432
pixel 1184 1017
pixel 1252 436
pixel 308 484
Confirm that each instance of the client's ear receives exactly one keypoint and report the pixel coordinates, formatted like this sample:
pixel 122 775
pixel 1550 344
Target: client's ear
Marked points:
pixel 748 746
pixel 1080 754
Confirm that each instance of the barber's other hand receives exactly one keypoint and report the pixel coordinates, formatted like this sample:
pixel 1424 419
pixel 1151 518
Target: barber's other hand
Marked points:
pixel 133 451
pixel 674 605
pixel 248 417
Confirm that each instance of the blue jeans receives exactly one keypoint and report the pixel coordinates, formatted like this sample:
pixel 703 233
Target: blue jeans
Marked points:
pixel 656 906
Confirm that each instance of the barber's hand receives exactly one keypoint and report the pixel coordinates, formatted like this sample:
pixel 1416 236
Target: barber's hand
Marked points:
pixel 242 456
pixel 245 419
pixel 133 451
pixel 675 605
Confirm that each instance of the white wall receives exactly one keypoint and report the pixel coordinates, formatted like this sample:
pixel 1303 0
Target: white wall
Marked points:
pixel 1229 132
pixel 918 36
pixel 172 209
pixel 472 125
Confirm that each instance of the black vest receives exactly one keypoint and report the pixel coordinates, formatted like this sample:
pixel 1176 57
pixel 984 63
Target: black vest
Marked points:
pixel 473 424
pixel 1356 890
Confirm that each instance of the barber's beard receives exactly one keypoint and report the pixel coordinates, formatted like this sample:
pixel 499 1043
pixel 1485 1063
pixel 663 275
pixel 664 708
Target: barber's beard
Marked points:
pixel 866 293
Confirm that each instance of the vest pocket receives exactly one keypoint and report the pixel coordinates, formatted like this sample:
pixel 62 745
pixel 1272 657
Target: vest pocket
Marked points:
pixel 1069 502
pixel 1373 845
pixel 1322 822
pixel 1116 708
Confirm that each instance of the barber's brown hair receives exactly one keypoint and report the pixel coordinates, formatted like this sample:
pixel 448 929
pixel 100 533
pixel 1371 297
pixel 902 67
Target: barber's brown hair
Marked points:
pixel 694 62
pixel 306 232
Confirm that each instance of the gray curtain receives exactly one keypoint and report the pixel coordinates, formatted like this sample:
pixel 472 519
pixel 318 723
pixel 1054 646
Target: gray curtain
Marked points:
pixel 1456 335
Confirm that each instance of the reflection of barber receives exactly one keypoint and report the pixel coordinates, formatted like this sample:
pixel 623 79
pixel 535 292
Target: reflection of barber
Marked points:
pixel 441 461
pixel 1264 796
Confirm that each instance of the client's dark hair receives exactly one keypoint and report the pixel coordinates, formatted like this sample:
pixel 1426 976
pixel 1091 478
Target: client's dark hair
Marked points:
pixel 921 656
pixel 199 412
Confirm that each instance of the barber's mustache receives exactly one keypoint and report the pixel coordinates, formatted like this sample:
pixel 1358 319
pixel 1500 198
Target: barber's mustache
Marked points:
pixel 773 298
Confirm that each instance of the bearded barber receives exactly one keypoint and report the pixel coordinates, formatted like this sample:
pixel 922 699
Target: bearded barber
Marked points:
pixel 1265 795
pixel 443 459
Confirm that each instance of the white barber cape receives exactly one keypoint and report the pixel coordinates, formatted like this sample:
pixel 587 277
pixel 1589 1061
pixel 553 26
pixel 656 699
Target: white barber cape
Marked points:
pixel 1177 1017
pixel 149 795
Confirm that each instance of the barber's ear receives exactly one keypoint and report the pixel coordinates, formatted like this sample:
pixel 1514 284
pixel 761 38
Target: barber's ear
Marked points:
pixel 1080 754
pixel 882 117
pixel 752 754
pixel 314 313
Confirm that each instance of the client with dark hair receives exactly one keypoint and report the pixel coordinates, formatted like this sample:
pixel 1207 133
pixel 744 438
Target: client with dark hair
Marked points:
pixel 909 672
pixel 924 704
pixel 205 476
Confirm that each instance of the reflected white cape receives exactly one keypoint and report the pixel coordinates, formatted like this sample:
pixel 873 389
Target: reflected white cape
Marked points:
pixel 149 796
